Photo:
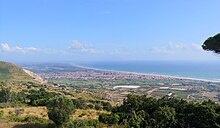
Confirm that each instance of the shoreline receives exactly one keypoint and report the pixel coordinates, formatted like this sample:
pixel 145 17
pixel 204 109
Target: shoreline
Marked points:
pixel 150 74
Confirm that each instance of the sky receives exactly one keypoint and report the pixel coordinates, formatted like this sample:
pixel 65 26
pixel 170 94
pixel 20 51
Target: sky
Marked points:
pixel 107 30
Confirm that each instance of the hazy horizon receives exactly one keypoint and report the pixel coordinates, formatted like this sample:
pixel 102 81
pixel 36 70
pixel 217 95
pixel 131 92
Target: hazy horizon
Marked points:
pixel 109 30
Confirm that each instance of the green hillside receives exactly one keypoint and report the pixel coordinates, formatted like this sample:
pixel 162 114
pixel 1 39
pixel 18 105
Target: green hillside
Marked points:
pixel 12 72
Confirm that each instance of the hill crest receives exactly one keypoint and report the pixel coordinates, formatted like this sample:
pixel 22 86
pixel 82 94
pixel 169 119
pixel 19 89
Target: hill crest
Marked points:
pixel 12 72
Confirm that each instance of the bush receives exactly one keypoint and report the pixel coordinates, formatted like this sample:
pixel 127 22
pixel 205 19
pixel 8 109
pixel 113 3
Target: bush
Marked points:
pixel 106 106
pixel 98 107
pixel 1 114
pixel 29 119
pixel 141 111
pixel 79 103
pixel 59 109
pixel 83 124
pixel 40 97
pixel 11 105
pixel 90 106
pixel 109 119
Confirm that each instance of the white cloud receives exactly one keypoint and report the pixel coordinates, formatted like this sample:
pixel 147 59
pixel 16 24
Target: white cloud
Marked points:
pixel 6 48
pixel 172 48
pixel 77 46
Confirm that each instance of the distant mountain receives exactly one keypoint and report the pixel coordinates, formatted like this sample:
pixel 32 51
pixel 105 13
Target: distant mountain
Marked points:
pixel 12 72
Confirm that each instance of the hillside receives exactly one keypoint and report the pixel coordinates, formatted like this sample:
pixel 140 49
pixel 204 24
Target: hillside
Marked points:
pixel 12 72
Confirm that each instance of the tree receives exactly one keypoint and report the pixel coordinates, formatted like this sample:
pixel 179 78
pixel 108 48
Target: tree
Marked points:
pixel 106 106
pixel 165 117
pixel 200 115
pixel 212 44
pixel 98 107
pixel 59 109
pixel 103 118
pixel 109 118
pixel 5 94
pixel 140 112
pixel 40 97
pixel 139 119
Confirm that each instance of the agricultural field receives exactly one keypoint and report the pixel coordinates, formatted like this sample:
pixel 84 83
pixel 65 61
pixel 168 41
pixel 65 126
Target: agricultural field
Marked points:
pixel 100 82
pixel 24 103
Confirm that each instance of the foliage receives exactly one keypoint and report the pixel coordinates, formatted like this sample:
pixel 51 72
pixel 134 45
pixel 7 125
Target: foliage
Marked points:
pixel 11 72
pixel 59 109
pixel 29 119
pixel 1 113
pixel 106 106
pixel 83 124
pixel 165 117
pixel 98 107
pixel 142 111
pixel 5 94
pixel 109 119
pixel 40 97
pixel 79 103
pixel 91 104
pixel 212 44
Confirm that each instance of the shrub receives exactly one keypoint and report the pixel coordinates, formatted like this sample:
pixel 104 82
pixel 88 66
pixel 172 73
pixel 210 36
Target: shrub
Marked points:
pixel 29 119
pixel 83 124
pixel 1 113
pixel 109 119
pixel 98 107
pixel 59 109
pixel 90 106
pixel 107 106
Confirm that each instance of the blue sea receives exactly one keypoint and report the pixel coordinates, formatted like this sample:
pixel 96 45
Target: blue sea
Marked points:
pixel 208 70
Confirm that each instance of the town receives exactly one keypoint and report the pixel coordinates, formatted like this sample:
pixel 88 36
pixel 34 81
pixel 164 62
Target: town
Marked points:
pixel 115 85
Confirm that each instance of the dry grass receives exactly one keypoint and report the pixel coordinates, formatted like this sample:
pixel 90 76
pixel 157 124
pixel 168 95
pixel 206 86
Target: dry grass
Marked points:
pixel 32 111
pixel 41 112
pixel 86 114
pixel 7 124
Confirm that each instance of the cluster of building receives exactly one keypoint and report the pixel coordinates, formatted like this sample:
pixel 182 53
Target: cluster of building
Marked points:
pixel 105 75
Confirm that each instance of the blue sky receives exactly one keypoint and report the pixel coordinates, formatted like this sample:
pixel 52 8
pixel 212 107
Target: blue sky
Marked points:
pixel 100 30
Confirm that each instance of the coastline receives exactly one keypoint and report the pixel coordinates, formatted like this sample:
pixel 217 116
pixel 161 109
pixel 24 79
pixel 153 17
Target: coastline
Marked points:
pixel 149 74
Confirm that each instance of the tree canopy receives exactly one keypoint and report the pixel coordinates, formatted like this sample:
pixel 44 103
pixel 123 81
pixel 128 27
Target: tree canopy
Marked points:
pixel 212 44
pixel 142 112
pixel 59 109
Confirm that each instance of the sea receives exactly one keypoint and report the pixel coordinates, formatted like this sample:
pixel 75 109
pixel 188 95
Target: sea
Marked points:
pixel 206 70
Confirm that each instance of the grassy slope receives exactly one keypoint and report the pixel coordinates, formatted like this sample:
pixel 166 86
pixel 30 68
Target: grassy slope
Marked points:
pixel 11 72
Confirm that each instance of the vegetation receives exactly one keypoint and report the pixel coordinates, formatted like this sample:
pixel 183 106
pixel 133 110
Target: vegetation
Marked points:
pixel 55 106
pixel 212 44
pixel 29 119
pixel 83 124
pixel 11 72
pixel 5 94
pixel 39 97
pixel 142 111
pixel 59 109
pixel 1 113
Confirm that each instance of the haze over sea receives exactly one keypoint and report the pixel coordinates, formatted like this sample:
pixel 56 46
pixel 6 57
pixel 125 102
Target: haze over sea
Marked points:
pixel 208 70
